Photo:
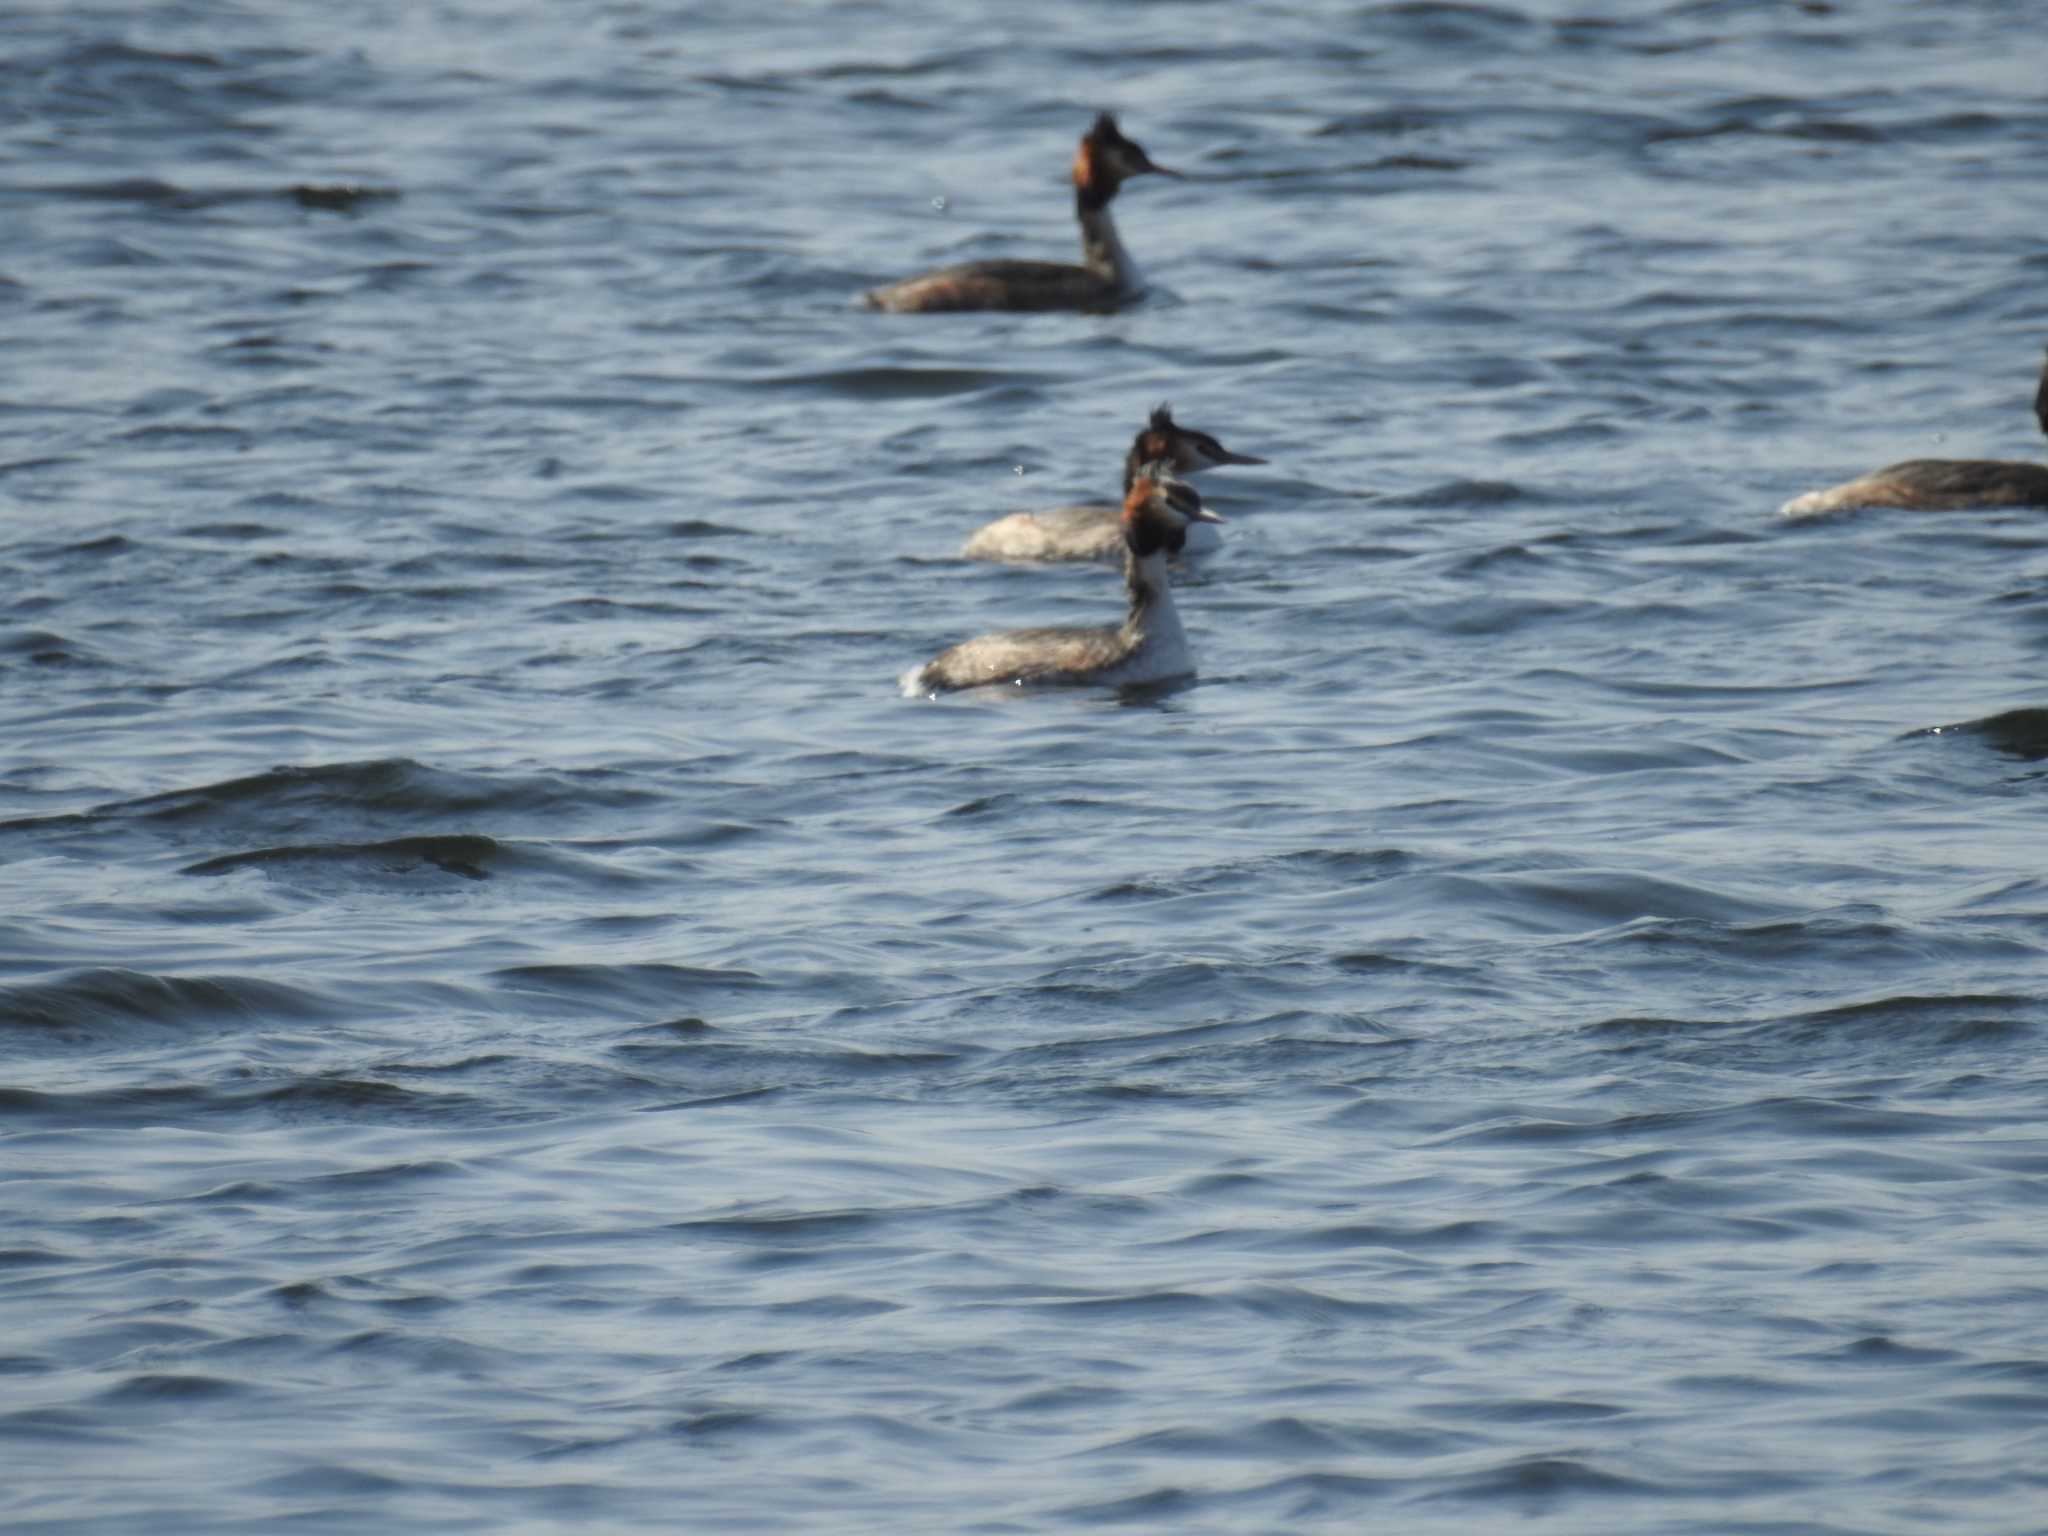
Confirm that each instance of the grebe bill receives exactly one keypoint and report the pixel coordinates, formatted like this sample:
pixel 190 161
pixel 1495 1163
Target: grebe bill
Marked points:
pixel 1106 278
pixel 1150 646
pixel 1940 485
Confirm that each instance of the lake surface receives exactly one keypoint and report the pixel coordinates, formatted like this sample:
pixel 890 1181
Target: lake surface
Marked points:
pixel 510 1022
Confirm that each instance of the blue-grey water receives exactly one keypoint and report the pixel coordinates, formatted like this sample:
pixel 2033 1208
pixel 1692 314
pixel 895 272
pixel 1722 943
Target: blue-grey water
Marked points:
pixel 511 1023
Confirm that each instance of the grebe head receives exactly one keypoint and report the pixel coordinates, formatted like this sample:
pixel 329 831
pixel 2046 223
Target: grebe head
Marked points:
pixel 1158 510
pixel 1187 449
pixel 1106 160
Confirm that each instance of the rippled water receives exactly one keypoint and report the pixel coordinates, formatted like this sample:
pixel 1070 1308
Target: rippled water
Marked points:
pixel 511 1023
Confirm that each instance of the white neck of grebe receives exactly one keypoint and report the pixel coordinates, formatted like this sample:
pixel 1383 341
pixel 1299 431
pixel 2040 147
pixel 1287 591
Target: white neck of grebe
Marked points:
pixel 1152 613
pixel 1102 252
pixel 1159 646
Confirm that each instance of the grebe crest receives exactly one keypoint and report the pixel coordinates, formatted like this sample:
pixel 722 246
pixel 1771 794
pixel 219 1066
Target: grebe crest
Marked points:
pixel 1107 276
pixel 1940 485
pixel 1096 532
pixel 1148 647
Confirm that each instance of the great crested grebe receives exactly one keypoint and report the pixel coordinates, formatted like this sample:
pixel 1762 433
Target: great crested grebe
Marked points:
pixel 1148 647
pixel 1096 532
pixel 1940 485
pixel 1106 277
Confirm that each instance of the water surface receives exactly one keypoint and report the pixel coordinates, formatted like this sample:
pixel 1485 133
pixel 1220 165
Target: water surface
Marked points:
pixel 511 1023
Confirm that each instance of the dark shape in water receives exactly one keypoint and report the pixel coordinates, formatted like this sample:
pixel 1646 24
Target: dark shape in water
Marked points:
pixel 340 197
pixel 461 854
pixel 2021 733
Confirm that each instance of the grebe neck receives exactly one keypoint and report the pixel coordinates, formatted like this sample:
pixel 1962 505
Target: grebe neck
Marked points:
pixel 1151 614
pixel 1102 252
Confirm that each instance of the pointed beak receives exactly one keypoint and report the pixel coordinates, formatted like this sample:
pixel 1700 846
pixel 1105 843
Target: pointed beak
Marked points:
pixel 1238 458
pixel 1160 170
pixel 1204 515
